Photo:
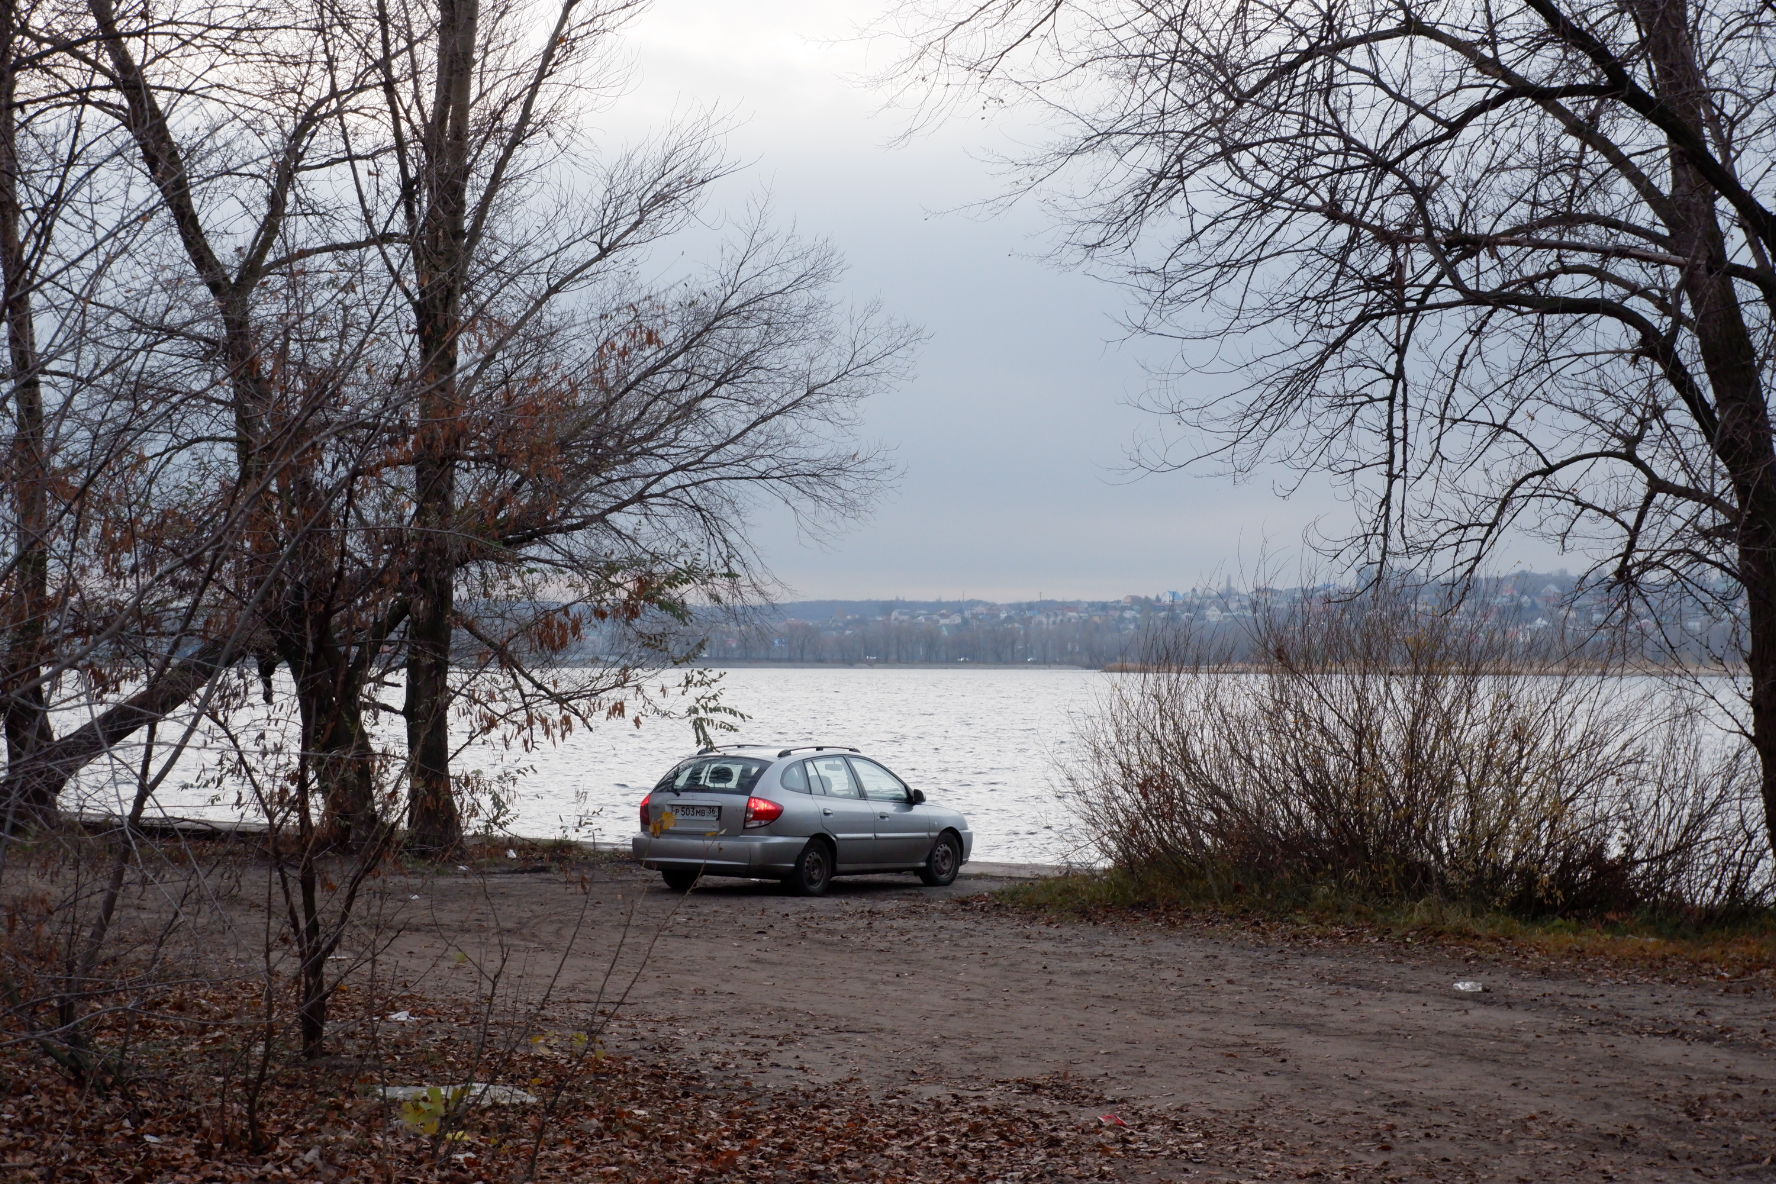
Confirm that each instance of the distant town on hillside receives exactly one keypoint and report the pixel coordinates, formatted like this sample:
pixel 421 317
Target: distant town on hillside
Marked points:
pixel 1528 605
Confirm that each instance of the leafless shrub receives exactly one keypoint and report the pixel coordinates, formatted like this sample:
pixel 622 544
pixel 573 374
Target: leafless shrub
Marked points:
pixel 97 932
pixel 1391 753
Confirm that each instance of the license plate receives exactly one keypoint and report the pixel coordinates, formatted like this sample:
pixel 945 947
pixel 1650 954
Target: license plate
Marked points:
pixel 696 813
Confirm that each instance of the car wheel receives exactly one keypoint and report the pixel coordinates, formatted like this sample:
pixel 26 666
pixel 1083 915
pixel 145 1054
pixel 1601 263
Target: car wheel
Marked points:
pixel 943 863
pixel 680 879
pixel 813 870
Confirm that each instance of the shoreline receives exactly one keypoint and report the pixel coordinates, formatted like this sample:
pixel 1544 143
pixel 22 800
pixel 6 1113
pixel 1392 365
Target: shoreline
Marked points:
pixel 1569 670
pixel 203 830
pixel 761 664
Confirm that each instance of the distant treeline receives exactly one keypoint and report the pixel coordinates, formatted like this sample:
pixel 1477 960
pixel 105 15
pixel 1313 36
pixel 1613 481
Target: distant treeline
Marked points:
pixel 1537 610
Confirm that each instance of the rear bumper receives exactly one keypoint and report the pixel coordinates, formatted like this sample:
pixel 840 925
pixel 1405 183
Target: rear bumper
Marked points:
pixel 731 855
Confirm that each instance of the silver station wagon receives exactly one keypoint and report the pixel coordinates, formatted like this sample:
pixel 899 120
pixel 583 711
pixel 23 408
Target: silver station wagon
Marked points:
pixel 802 814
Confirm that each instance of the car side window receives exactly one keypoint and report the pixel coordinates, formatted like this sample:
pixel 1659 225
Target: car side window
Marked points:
pixel 796 778
pixel 835 775
pixel 879 785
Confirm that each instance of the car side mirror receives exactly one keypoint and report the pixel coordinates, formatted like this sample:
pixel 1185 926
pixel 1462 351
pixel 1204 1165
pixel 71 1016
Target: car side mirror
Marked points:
pixel 918 797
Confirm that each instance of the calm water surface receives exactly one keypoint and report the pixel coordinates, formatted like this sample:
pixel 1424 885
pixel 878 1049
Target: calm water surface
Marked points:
pixel 989 742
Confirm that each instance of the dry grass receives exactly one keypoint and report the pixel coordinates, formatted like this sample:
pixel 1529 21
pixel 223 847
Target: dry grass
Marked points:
pixel 1668 944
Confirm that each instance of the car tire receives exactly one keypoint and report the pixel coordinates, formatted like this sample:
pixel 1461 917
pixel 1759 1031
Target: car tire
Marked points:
pixel 944 861
pixel 680 879
pixel 813 870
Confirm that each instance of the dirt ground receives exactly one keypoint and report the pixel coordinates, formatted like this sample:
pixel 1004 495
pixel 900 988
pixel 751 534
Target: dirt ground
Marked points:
pixel 1256 1057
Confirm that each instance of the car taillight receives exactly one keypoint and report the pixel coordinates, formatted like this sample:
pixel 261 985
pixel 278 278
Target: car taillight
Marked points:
pixel 646 822
pixel 762 811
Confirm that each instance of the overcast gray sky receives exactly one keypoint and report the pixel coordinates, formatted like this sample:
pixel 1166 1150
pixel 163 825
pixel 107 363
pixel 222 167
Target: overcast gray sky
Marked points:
pixel 1012 434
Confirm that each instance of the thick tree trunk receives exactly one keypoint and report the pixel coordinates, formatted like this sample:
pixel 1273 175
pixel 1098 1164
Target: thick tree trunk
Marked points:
pixel 440 257
pixel 434 825
pixel 42 776
pixel 1760 661
pixel 23 706
pixel 341 759
pixel 346 766
pixel 1744 441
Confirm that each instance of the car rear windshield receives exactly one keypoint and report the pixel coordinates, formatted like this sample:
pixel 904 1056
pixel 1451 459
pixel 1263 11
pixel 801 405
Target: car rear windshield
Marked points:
pixel 715 774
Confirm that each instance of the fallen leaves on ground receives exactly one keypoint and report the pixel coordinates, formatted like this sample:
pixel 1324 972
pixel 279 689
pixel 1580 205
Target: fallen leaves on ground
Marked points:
pixel 188 1108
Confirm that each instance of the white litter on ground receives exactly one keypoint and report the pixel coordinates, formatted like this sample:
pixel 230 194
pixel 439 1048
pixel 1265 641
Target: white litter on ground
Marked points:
pixel 479 1093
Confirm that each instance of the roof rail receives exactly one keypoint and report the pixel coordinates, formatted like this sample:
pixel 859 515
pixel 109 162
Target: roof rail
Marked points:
pixel 818 748
pixel 724 747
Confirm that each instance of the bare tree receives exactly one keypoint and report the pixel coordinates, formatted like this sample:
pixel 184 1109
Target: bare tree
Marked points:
pixel 23 705
pixel 576 432
pixel 83 418
pixel 335 347
pixel 1492 268
pixel 369 348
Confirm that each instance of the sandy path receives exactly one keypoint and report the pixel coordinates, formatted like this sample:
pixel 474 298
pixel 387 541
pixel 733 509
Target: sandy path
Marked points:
pixel 1356 1061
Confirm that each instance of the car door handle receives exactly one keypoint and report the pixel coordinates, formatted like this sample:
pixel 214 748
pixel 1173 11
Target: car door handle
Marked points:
pixel 828 813
pixel 883 815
